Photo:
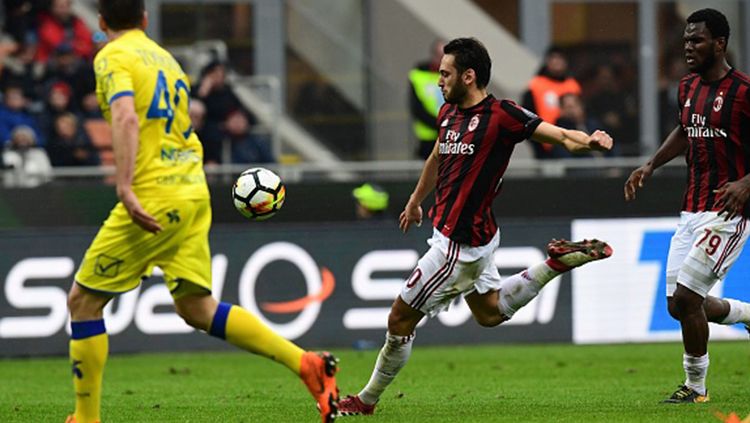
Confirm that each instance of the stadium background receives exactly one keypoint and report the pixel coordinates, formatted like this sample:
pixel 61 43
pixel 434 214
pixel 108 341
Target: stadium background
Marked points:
pixel 326 80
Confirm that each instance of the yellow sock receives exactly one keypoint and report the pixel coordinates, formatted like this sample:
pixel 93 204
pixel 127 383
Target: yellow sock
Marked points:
pixel 89 347
pixel 240 328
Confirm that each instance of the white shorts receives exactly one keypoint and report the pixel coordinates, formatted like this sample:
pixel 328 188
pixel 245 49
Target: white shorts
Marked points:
pixel 449 269
pixel 703 250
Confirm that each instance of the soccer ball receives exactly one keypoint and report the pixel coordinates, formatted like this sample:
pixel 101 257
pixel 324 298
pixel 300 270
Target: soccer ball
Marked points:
pixel 258 193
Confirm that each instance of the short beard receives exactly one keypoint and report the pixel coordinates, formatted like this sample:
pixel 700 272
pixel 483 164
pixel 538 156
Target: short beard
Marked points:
pixel 706 65
pixel 457 94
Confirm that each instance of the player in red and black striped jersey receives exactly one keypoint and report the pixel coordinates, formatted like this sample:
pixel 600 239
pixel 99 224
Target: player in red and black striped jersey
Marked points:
pixel 714 132
pixel 474 150
pixel 477 135
pixel 714 122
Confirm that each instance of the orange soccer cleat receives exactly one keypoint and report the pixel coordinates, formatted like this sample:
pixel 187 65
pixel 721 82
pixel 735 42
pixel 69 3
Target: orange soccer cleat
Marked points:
pixel 318 372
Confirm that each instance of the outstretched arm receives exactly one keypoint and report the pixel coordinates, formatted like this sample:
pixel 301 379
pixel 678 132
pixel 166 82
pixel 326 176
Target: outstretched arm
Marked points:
pixel 573 140
pixel 413 210
pixel 674 145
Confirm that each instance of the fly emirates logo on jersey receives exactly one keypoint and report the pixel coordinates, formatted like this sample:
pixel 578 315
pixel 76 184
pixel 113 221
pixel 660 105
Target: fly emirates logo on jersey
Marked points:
pixel 698 128
pixel 453 145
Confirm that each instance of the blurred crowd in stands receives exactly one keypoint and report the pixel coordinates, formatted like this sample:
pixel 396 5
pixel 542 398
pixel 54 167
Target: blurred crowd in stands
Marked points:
pixel 590 86
pixel 602 100
pixel 585 84
pixel 49 115
pixel 596 94
pixel 603 94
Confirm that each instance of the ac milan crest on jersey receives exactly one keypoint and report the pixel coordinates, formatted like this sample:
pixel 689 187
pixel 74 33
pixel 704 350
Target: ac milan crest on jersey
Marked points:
pixel 474 122
pixel 475 148
pixel 718 102
pixel 715 121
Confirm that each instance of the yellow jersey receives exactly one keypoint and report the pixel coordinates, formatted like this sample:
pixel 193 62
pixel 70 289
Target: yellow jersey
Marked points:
pixel 169 163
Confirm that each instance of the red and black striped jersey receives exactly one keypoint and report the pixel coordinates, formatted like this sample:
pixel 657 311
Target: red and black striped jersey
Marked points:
pixel 475 146
pixel 715 117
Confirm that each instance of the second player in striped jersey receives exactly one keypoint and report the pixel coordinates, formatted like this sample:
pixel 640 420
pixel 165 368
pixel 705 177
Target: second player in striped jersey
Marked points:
pixel 714 132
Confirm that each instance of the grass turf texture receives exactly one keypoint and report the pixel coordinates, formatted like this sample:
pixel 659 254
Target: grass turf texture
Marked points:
pixel 535 383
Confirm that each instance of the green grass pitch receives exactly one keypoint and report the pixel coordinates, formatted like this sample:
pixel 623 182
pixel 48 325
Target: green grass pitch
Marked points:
pixel 518 383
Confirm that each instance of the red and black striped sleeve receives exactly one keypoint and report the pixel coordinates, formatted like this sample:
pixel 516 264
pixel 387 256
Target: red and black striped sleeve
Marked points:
pixel 518 123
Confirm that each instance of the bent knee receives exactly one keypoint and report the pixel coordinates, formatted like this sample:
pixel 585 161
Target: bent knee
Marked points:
pixel 398 324
pixel 489 321
pixel 686 301
pixel 195 317
pixel 403 323
pixel 192 319
pixel 196 310
pixel 672 308
pixel 84 305
pixel 75 302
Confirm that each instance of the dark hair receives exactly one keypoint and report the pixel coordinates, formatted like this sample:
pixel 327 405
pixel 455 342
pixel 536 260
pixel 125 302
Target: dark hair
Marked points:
pixel 715 21
pixel 554 49
pixel 122 14
pixel 470 53
pixel 569 95
pixel 210 66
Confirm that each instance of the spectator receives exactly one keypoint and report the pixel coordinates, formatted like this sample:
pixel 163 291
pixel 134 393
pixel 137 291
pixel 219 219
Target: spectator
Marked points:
pixel 65 65
pixel 21 69
pixel 197 113
pixel 371 201
pixel 13 113
pixel 544 91
pixel 85 91
pixel 60 26
pixel 59 98
pixel 212 146
pixel 26 165
pixel 246 147
pixel 89 107
pixel 669 108
pixel 220 101
pixel 7 47
pixel 573 116
pixel 57 102
pixel 610 105
pixel 69 145
pixel 425 99
pixel 20 20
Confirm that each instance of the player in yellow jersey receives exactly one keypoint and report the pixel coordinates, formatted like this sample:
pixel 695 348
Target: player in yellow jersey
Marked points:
pixel 162 219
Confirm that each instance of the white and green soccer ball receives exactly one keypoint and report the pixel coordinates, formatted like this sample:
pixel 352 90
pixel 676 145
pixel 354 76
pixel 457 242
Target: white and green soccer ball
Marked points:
pixel 258 193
